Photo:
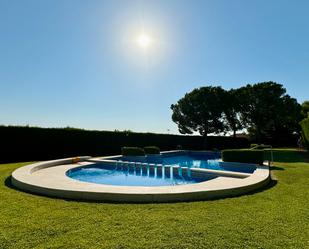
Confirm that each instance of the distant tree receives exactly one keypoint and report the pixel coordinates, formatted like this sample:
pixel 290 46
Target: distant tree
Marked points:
pixel 267 109
pixel 286 121
pixel 200 111
pixel 232 111
pixel 305 108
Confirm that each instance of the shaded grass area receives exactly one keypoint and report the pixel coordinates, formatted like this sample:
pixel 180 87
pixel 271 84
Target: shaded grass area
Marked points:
pixel 277 217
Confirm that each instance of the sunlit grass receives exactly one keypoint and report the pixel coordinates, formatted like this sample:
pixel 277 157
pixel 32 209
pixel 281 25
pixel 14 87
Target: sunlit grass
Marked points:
pixel 276 217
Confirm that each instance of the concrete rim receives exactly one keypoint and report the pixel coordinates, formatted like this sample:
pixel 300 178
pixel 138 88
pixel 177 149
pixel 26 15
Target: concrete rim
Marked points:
pixel 49 178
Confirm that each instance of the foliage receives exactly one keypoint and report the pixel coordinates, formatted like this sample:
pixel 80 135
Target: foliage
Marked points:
pixel 263 109
pixel 267 111
pixel 305 131
pixel 132 151
pixel 200 111
pixel 272 218
pixel 31 143
pixel 152 150
pixel 243 156
pixel 232 111
pixel 305 109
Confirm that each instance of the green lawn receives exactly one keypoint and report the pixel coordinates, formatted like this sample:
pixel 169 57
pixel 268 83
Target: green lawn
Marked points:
pixel 276 217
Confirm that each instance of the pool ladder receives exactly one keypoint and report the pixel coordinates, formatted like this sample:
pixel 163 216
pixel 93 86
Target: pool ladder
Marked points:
pixel 271 162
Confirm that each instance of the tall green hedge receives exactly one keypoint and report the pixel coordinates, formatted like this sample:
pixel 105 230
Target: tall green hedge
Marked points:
pixel 32 143
pixel 243 156
pixel 305 128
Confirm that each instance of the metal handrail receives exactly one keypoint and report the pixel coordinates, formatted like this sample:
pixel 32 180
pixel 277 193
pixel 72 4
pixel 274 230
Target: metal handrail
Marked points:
pixel 271 154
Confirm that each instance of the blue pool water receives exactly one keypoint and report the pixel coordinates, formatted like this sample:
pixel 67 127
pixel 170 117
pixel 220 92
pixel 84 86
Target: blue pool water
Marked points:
pixel 129 176
pixel 200 162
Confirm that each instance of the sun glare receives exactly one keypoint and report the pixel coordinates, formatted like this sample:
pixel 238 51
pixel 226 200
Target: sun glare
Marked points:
pixel 143 40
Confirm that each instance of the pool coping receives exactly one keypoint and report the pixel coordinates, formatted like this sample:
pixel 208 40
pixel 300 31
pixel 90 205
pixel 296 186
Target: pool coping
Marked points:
pixel 49 178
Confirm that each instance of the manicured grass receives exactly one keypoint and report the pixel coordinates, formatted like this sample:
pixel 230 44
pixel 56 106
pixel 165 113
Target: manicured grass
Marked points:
pixel 276 217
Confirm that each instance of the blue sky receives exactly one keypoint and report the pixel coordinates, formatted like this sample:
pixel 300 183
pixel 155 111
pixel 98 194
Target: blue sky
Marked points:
pixel 76 63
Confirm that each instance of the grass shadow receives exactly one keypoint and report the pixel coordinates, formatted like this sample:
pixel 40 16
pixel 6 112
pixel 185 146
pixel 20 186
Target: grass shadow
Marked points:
pixel 276 168
pixel 272 183
pixel 8 183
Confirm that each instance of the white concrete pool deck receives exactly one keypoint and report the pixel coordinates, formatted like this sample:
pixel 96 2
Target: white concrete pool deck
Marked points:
pixel 49 178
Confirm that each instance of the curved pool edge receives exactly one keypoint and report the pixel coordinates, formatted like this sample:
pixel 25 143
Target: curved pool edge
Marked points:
pixel 31 178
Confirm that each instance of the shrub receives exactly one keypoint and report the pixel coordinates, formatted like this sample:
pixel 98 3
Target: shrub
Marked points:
pixel 243 156
pixel 152 150
pixel 132 151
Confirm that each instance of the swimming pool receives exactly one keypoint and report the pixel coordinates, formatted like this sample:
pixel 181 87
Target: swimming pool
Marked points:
pixel 166 183
pixel 167 169
pixel 134 175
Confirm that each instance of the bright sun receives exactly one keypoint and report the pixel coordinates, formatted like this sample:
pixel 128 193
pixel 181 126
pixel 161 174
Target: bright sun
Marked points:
pixel 144 40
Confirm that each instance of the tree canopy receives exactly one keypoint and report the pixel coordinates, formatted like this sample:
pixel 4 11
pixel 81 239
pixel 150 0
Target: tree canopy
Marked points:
pixel 305 108
pixel 231 111
pixel 264 109
pixel 200 111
